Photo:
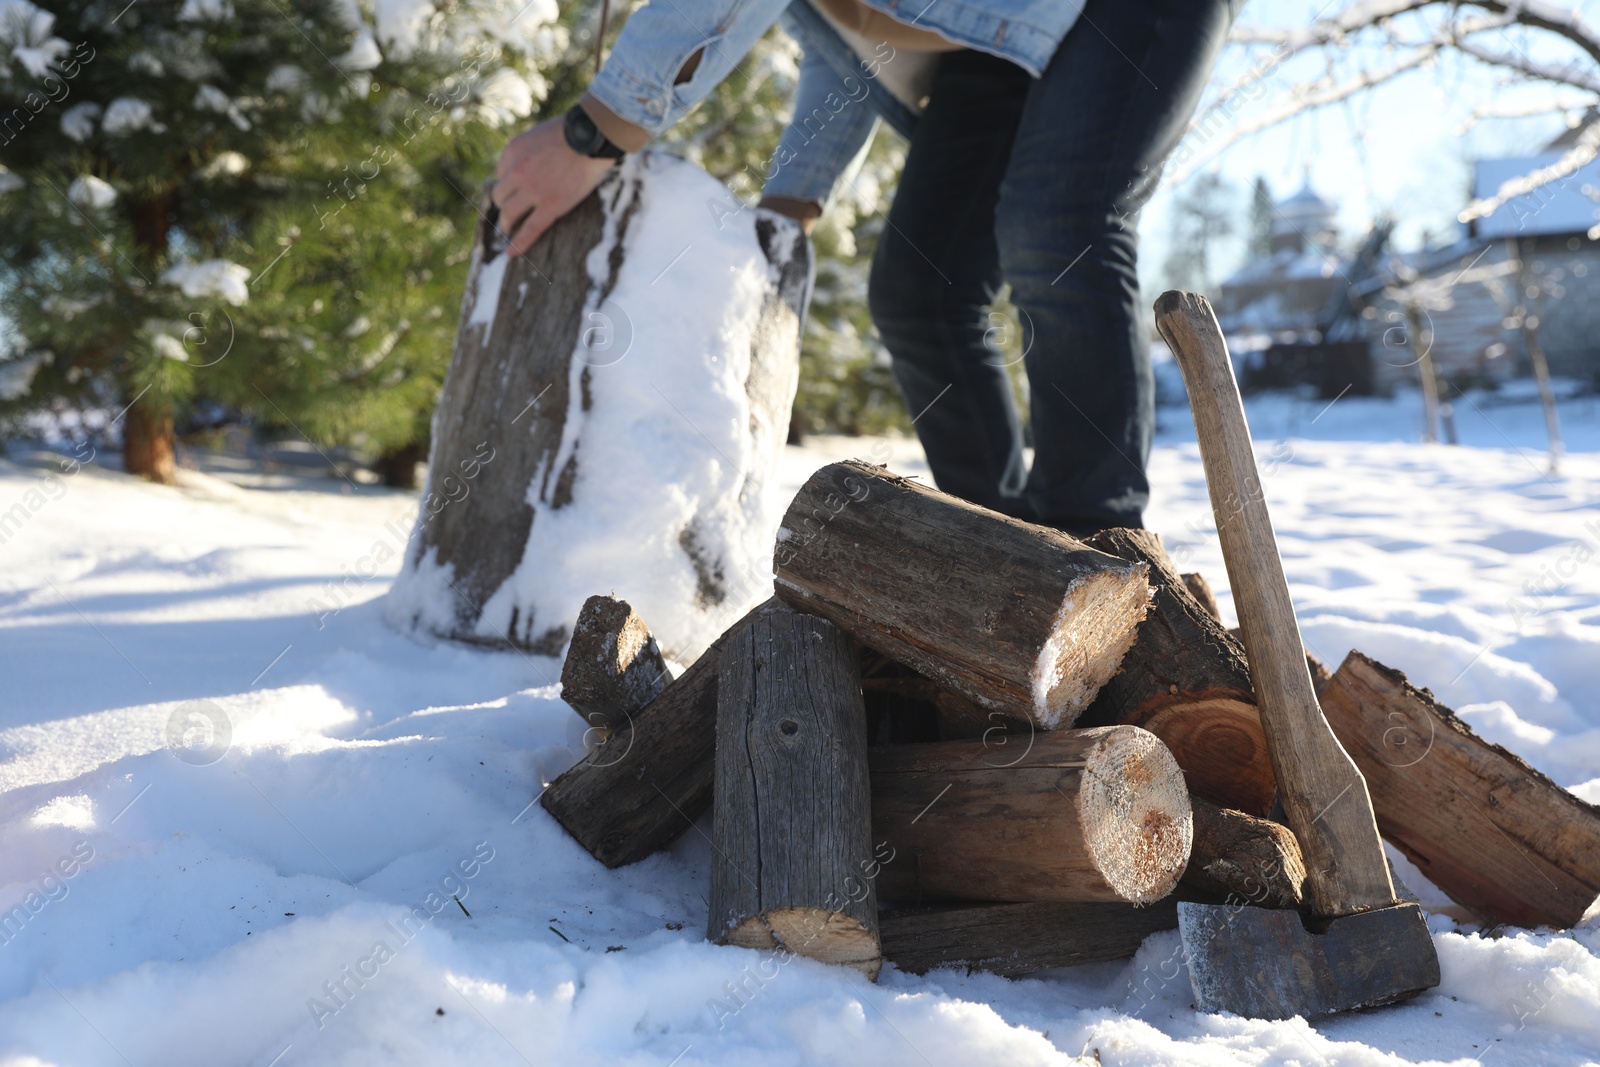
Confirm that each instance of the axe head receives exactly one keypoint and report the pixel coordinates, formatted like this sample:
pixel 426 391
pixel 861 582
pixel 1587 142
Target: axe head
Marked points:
pixel 1264 964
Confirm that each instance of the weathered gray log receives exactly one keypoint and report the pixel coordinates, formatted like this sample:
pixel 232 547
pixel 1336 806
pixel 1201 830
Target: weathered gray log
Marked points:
pixel 647 784
pixel 613 668
pixel 1017 939
pixel 1186 681
pixel 1497 835
pixel 1075 816
pixel 534 383
pixel 1018 618
pixel 792 865
pixel 1240 859
pixel 1202 592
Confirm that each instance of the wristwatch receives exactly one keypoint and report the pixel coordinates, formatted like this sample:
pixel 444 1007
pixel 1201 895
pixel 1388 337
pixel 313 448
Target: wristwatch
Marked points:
pixel 585 138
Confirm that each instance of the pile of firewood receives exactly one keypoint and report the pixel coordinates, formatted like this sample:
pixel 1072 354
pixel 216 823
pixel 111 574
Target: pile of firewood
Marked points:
pixel 956 739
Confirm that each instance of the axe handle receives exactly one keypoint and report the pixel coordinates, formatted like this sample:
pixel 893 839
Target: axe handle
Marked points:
pixel 1323 793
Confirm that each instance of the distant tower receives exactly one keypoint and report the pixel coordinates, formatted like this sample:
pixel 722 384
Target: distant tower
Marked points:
pixel 1303 221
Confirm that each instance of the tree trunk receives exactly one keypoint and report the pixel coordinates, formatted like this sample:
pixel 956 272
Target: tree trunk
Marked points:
pixel 149 443
pixel 1547 395
pixel 1240 859
pixel 1186 681
pixel 1017 939
pixel 1018 618
pixel 1079 816
pixel 1536 358
pixel 397 468
pixel 792 864
pixel 1497 835
pixel 612 419
pixel 1425 375
pixel 613 668
pixel 647 784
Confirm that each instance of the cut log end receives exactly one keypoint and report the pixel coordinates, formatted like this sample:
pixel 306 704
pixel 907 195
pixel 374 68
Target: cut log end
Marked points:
pixel 1223 753
pixel 1094 629
pixel 818 934
pixel 1136 817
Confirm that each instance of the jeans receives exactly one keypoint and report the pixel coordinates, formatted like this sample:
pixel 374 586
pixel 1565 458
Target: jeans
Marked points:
pixel 1039 183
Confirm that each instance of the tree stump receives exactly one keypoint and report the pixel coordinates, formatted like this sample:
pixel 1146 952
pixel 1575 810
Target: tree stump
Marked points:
pixel 1019 618
pixel 1076 816
pixel 612 419
pixel 793 866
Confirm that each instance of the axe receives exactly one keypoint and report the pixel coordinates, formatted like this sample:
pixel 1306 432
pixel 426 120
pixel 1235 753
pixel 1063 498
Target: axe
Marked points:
pixel 1358 946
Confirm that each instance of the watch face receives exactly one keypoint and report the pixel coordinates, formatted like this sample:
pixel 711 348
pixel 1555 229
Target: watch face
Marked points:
pixel 583 135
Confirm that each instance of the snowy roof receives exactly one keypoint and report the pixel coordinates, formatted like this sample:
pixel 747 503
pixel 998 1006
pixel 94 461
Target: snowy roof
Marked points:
pixel 1562 206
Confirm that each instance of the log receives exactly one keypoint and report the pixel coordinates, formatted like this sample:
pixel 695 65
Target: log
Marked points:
pixel 1019 618
pixel 1017 939
pixel 1186 681
pixel 647 784
pixel 792 865
pixel 1240 859
pixel 1076 816
pixel 611 421
pixel 613 667
pixel 1200 589
pixel 1494 833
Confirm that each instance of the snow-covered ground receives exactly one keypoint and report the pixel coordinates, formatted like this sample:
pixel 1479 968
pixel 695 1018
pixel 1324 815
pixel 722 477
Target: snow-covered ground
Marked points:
pixel 235 808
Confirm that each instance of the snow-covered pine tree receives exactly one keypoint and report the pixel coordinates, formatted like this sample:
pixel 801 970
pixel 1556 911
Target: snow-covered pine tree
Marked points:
pixel 150 149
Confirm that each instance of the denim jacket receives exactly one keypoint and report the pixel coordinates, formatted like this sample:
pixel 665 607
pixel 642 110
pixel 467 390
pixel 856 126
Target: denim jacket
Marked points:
pixel 840 98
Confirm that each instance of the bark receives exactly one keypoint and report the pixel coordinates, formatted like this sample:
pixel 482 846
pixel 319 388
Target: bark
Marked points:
pixel 792 864
pixel 1020 619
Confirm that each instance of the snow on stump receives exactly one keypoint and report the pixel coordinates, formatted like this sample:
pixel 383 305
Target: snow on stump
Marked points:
pixel 612 419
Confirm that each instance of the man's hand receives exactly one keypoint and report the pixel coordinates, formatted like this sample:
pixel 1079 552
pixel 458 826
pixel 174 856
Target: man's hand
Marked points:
pixel 539 179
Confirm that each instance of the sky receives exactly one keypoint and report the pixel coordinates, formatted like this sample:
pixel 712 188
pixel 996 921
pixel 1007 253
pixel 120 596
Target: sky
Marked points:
pixel 1399 149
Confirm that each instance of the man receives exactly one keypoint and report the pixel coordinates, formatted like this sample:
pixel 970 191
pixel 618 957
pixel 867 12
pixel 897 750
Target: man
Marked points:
pixel 1037 131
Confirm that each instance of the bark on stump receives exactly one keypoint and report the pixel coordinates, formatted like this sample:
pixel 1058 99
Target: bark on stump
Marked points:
pixel 636 793
pixel 792 865
pixel 1017 939
pixel 533 498
pixel 1077 816
pixel 1186 681
pixel 613 668
pixel 1496 835
pixel 1019 618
